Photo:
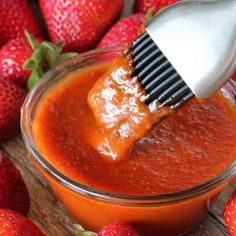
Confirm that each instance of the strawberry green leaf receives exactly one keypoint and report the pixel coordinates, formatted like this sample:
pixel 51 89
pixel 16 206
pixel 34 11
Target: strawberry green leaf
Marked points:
pixel 33 42
pixel 150 14
pixel 37 56
pixel 45 56
pixel 58 46
pixel 80 231
pixel 50 54
pixel 29 64
pixel 33 79
pixel 67 55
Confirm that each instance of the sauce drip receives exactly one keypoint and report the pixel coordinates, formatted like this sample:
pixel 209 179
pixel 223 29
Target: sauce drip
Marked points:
pixel 116 103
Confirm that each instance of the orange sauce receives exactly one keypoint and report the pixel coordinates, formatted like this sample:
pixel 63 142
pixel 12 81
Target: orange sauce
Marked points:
pixel 188 148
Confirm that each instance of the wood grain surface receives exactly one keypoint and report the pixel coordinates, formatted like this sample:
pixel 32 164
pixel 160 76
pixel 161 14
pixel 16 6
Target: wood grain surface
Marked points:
pixel 53 220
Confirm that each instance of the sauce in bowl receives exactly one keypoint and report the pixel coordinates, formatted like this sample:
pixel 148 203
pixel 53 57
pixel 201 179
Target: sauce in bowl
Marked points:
pixel 191 150
pixel 188 148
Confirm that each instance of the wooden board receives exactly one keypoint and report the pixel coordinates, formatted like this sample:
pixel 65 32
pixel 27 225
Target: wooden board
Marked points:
pixel 53 220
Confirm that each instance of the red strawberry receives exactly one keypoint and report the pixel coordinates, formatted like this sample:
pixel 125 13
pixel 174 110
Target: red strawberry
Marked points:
pixel 118 229
pixel 11 99
pixel 35 56
pixel 13 191
pixel 12 223
pixel 144 5
pixel 12 57
pixel 15 17
pixel 230 214
pixel 123 32
pixel 234 76
pixel 79 24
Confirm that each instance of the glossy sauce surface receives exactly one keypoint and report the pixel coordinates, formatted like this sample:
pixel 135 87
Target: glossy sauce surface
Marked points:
pixel 115 100
pixel 191 146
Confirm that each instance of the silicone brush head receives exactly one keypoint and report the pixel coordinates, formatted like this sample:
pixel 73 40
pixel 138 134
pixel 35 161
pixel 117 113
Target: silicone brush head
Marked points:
pixel 157 76
pixel 189 49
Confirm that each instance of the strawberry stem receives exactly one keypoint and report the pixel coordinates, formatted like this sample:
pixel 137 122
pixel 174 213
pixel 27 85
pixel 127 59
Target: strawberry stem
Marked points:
pixel 33 78
pixel 45 56
pixel 33 42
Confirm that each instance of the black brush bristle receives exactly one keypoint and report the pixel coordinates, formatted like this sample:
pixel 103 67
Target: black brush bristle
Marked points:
pixel 157 76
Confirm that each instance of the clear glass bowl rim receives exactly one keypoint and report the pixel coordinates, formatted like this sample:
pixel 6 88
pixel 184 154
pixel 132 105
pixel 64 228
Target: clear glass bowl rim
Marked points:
pixel 132 200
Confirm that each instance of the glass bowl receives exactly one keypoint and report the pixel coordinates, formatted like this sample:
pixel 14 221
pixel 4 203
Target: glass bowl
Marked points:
pixel 165 214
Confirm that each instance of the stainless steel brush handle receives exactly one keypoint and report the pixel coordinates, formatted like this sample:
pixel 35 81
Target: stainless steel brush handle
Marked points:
pixel 199 40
